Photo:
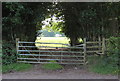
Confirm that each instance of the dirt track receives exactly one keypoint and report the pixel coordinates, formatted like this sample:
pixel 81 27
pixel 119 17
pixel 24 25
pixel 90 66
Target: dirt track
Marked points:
pixel 70 73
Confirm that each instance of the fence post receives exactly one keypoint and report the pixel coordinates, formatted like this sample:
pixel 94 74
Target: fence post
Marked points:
pixel 17 44
pixel 85 51
pixel 103 45
pixel 99 44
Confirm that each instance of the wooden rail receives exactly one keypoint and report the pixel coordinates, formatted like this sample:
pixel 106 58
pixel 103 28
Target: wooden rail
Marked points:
pixel 62 54
pixel 74 47
pixel 50 55
pixel 65 55
pixel 93 42
pixel 49 62
pixel 48 59
pixel 47 51
pixel 42 43
pixel 96 47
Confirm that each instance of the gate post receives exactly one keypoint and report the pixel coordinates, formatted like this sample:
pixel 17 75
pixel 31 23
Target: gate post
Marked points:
pixel 85 51
pixel 99 44
pixel 17 44
pixel 103 45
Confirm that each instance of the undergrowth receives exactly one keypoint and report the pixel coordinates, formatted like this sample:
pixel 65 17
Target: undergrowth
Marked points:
pixel 16 67
pixel 100 65
pixel 107 64
pixel 9 54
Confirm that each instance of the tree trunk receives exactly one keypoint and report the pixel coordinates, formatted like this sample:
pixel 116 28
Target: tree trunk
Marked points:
pixel 74 41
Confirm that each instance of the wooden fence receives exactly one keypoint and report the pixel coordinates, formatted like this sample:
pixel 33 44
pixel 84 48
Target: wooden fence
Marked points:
pixel 96 47
pixel 66 54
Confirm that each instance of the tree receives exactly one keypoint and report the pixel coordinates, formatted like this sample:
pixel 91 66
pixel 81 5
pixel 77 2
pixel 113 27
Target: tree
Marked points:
pixel 20 19
pixel 90 20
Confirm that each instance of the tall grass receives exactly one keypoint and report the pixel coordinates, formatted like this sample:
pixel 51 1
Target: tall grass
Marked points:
pixel 101 65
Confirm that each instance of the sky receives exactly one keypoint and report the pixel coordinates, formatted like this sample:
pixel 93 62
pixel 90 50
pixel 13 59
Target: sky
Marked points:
pixel 54 19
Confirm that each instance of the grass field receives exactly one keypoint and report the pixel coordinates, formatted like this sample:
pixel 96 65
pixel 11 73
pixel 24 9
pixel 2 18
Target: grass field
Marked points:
pixel 63 40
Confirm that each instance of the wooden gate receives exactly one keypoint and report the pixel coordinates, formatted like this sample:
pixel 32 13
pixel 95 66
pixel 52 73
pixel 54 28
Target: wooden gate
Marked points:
pixel 64 54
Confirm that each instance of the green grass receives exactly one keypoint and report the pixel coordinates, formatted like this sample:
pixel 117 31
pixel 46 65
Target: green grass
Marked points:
pixel 108 69
pixel 99 65
pixel 16 67
pixel 52 66
pixel 53 40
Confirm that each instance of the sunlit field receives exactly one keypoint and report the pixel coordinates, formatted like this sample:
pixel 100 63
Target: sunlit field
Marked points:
pixel 63 40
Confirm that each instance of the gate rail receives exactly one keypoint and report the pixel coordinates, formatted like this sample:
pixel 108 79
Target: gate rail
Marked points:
pixel 64 54
pixel 44 54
